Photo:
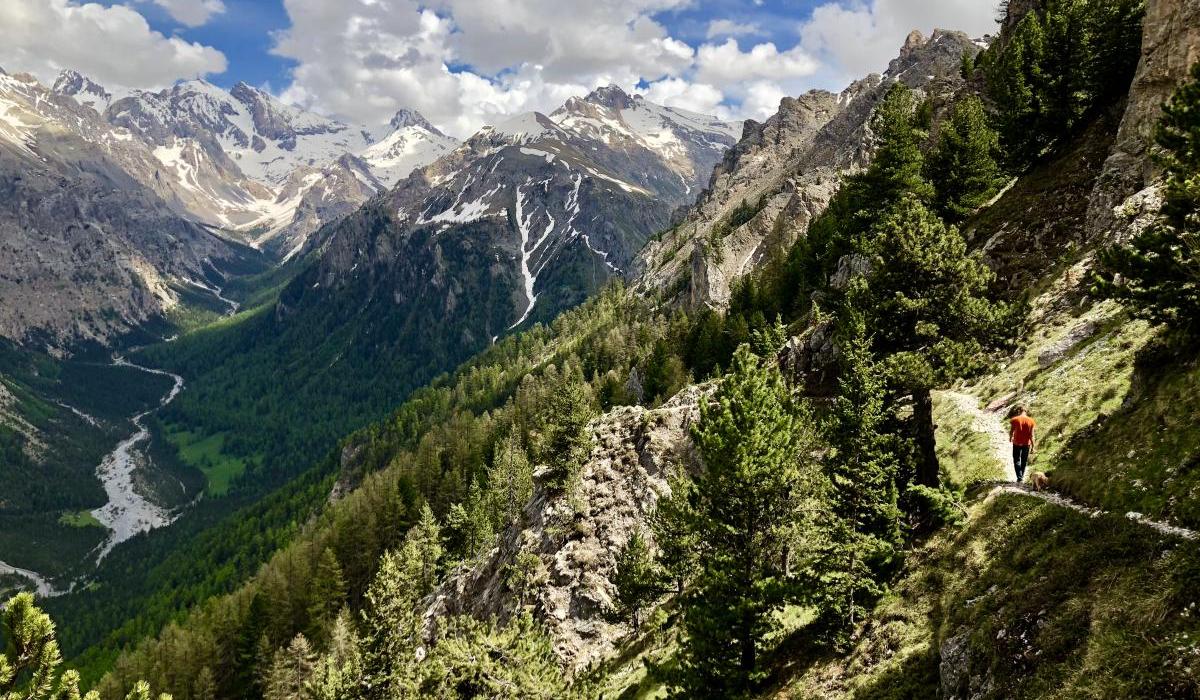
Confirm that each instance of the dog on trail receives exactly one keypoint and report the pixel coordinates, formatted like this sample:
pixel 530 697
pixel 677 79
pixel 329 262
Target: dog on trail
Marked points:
pixel 1039 481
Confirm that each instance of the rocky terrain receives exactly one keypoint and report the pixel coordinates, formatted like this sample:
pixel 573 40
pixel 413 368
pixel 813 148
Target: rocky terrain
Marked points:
pixel 538 208
pixel 92 237
pixel 252 165
pixel 1108 183
pixel 131 196
pixel 576 539
pixel 786 170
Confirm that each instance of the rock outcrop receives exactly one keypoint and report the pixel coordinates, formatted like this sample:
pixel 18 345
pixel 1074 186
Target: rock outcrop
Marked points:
pixel 576 536
pixel 1170 46
pixel 787 169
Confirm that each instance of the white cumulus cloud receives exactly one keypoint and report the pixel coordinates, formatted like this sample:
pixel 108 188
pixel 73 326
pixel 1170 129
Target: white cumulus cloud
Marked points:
pixel 192 13
pixel 466 63
pixel 114 45
pixel 727 64
pixel 718 28
pixel 856 37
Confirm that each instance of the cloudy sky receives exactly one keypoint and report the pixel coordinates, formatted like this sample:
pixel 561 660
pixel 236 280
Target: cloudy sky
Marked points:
pixel 464 63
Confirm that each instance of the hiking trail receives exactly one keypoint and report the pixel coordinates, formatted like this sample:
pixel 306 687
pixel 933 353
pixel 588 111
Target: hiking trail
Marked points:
pixel 990 423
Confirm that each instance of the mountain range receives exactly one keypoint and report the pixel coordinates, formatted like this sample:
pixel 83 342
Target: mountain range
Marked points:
pixel 617 399
pixel 239 168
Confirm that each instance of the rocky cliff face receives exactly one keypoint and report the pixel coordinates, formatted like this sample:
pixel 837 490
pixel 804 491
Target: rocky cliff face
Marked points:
pixel 91 236
pixel 788 169
pixel 576 537
pixel 1170 46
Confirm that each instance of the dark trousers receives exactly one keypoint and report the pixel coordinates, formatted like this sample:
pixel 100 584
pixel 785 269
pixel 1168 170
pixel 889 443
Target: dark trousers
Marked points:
pixel 1020 460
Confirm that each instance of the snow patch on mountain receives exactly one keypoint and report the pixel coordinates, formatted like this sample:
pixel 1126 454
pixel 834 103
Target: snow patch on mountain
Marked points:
pixel 411 145
pixel 528 278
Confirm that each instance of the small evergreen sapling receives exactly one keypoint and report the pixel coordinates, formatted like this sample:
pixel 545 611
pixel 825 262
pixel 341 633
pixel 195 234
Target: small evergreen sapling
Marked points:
pixel 638 578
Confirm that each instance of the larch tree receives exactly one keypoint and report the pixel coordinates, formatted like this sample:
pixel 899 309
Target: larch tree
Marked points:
pixel 291 669
pixel 326 595
pixel 337 673
pixel 510 481
pixel 205 685
pixel 426 541
pixel 390 627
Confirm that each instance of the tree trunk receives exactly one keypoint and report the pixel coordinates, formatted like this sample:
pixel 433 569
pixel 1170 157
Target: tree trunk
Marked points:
pixel 748 661
pixel 927 461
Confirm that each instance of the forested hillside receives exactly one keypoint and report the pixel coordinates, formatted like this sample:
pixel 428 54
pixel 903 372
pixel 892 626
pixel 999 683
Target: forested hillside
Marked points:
pixel 805 492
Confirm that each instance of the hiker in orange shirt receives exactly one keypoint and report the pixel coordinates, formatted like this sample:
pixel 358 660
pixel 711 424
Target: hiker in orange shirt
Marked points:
pixel 1020 432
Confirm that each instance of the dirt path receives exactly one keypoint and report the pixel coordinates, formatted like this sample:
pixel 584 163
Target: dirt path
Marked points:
pixel 989 422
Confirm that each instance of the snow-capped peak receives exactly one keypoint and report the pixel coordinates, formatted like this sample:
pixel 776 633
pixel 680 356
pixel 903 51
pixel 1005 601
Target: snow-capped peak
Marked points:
pixel 523 128
pixel 86 91
pixel 610 96
pixel 410 117
pixel 611 115
pixel 413 142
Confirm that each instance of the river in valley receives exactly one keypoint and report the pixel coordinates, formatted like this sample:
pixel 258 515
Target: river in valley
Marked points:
pixel 127 512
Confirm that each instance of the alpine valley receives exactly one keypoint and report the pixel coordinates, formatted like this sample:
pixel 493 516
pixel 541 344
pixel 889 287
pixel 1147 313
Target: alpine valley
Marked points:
pixel 615 400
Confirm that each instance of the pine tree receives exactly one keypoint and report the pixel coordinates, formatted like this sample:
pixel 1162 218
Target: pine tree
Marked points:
pixel 566 440
pixel 248 648
pixel 638 578
pixel 864 533
pixel 963 165
pixel 290 671
pixel 68 688
pixel 31 656
pixel 390 627
pixel 1113 32
pixel 469 525
pixel 1157 274
pixel 510 481
pixel 473 659
pixel 897 168
pixel 676 541
pixel 1061 64
pixel 327 594
pixel 665 374
pixel 141 691
pixel 929 307
pixel 751 502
